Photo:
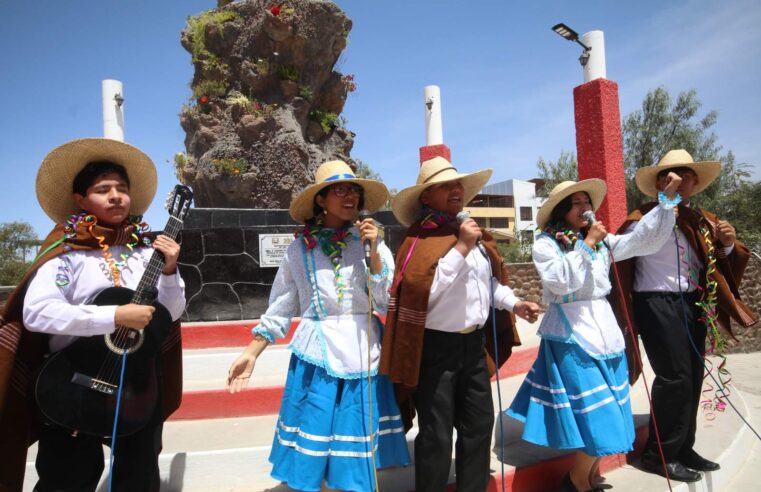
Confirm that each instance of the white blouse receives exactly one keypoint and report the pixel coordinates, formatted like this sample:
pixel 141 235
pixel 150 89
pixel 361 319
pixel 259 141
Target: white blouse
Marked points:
pixel 576 282
pixel 57 300
pixel 332 334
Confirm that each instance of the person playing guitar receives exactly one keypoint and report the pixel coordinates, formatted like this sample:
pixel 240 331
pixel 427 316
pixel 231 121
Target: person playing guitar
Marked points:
pixel 95 190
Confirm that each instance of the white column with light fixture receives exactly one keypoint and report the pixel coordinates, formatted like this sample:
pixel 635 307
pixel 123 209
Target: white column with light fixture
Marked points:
pixel 113 109
pixel 434 133
pixel 594 68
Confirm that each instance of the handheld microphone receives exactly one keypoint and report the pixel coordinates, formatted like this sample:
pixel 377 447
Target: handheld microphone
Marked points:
pixel 364 215
pixel 461 217
pixel 589 216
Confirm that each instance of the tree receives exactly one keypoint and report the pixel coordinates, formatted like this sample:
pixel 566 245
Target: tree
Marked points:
pixel 664 124
pixel 17 241
pixel 565 169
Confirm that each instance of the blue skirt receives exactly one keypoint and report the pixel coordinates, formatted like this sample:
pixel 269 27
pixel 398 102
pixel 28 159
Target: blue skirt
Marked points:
pixel 322 431
pixel 570 400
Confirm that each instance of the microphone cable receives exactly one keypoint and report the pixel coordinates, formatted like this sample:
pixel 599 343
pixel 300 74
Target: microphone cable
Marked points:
pixel 638 358
pixel 721 387
pixel 374 476
pixel 116 421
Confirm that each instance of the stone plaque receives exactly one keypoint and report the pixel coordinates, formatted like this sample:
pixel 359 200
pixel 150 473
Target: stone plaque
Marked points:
pixel 272 248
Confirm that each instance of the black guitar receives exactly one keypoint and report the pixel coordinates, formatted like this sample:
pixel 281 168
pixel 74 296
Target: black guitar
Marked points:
pixel 77 387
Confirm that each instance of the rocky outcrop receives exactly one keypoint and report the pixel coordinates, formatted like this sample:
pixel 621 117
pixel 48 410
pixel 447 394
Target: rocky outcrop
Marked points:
pixel 266 101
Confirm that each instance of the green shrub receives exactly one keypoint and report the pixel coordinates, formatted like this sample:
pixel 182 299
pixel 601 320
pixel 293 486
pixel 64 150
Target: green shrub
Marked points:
pixel 325 119
pixel 287 72
pixel 232 167
pixel 209 88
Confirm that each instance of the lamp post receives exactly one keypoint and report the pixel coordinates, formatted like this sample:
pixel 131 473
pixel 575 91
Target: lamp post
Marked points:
pixel 597 115
pixel 113 112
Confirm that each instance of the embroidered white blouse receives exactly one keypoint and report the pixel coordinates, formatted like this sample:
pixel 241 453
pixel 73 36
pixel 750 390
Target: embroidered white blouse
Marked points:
pixel 576 282
pixel 331 334
pixel 56 301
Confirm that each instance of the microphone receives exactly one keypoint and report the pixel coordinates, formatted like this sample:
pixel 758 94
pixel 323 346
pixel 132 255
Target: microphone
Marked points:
pixel 589 216
pixel 364 215
pixel 461 217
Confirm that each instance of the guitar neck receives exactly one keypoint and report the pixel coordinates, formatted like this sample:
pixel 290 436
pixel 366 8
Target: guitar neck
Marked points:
pixel 144 294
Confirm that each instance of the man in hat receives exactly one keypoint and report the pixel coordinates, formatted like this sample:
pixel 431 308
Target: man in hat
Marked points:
pixel 448 277
pixel 670 296
pixel 97 243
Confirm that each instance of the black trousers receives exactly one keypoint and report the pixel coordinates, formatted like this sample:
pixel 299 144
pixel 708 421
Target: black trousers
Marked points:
pixel 453 392
pixel 660 318
pixel 67 463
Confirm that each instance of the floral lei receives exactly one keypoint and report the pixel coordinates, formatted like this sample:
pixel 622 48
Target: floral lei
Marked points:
pixel 331 242
pixel 89 221
pixel 565 237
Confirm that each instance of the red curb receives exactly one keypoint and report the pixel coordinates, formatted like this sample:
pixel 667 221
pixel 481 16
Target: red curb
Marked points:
pixel 548 474
pixel 215 404
pixel 251 402
pixel 232 334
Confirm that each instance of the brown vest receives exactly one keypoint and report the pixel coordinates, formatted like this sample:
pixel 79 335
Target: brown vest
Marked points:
pixel 402 345
pixel 728 275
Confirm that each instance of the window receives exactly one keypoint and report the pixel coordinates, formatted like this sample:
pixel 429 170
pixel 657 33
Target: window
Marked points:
pixel 481 221
pixel 526 213
pixel 499 222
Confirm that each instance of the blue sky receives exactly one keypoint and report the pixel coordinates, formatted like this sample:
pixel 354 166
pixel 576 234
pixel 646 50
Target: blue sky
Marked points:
pixel 506 79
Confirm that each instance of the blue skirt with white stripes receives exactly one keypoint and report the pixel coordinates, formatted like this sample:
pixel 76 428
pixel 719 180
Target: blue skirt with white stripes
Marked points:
pixel 323 431
pixel 570 400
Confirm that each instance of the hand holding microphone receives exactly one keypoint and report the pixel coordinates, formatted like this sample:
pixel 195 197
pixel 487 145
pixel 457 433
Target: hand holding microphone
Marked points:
pixel 469 234
pixel 596 232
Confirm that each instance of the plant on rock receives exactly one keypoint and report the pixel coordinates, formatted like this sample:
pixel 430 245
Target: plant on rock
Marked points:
pixel 325 119
pixel 231 167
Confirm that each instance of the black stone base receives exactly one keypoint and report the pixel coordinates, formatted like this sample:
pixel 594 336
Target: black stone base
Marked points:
pixel 219 260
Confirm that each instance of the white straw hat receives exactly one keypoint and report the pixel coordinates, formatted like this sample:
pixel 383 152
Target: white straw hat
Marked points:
pixel 707 171
pixel 596 189
pixel 406 205
pixel 55 177
pixel 330 173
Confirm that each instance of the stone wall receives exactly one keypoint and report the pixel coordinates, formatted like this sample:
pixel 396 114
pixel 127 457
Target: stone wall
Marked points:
pixel 750 292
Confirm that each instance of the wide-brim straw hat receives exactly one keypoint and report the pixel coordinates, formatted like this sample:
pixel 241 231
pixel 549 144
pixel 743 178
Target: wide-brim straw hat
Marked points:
pixel 55 177
pixel 596 188
pixel 406 205
pixel 707 171
pixel 330 173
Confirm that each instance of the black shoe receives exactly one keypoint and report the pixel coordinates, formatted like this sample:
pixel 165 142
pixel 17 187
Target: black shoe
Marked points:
pixel 693 460
pixel 676 470
pixel 568 485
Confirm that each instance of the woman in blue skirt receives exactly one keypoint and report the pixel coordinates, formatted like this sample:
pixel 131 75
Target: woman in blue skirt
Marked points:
pixel 337 414
pixel 576 395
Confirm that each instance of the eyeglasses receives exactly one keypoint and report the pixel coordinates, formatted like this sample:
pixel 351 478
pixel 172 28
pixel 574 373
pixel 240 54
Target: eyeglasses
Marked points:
pixel 341 190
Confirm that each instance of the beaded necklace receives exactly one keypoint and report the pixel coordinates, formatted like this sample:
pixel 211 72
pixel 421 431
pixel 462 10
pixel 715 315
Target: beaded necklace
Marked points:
pixel 565 237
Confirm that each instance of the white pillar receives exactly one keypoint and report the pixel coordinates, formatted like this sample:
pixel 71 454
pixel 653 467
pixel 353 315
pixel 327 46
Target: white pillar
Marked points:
pixel 595 67
pixel 113 110
pixel 434 134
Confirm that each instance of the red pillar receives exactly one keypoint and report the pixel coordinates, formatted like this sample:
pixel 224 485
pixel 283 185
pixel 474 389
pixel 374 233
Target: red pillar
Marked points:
pixel 430 151
pixel 599 145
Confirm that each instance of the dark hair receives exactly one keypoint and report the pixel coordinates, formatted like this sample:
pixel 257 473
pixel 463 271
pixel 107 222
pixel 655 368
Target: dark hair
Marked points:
pixel 317 210
pixel 92 171
pixel 677 170
pixel 557 216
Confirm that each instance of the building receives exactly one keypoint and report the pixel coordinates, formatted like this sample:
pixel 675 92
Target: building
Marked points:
pixel 507 209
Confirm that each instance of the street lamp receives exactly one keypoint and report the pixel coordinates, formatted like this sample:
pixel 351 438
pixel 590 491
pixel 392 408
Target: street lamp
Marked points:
pixel 571 35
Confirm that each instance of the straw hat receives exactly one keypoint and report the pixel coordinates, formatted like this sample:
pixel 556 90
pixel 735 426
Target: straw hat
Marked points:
pixel 406 205
pixel 330 173
pixel 596 189
pixel 707 171
pixel 55 177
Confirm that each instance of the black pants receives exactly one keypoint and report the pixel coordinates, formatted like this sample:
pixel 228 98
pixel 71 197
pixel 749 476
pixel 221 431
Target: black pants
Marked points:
pixel 66 463
pixel 453 392
pixel 660 318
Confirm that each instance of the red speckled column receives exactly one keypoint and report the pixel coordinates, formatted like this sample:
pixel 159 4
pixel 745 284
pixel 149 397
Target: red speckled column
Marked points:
pixel 599 145
pixel 430 151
